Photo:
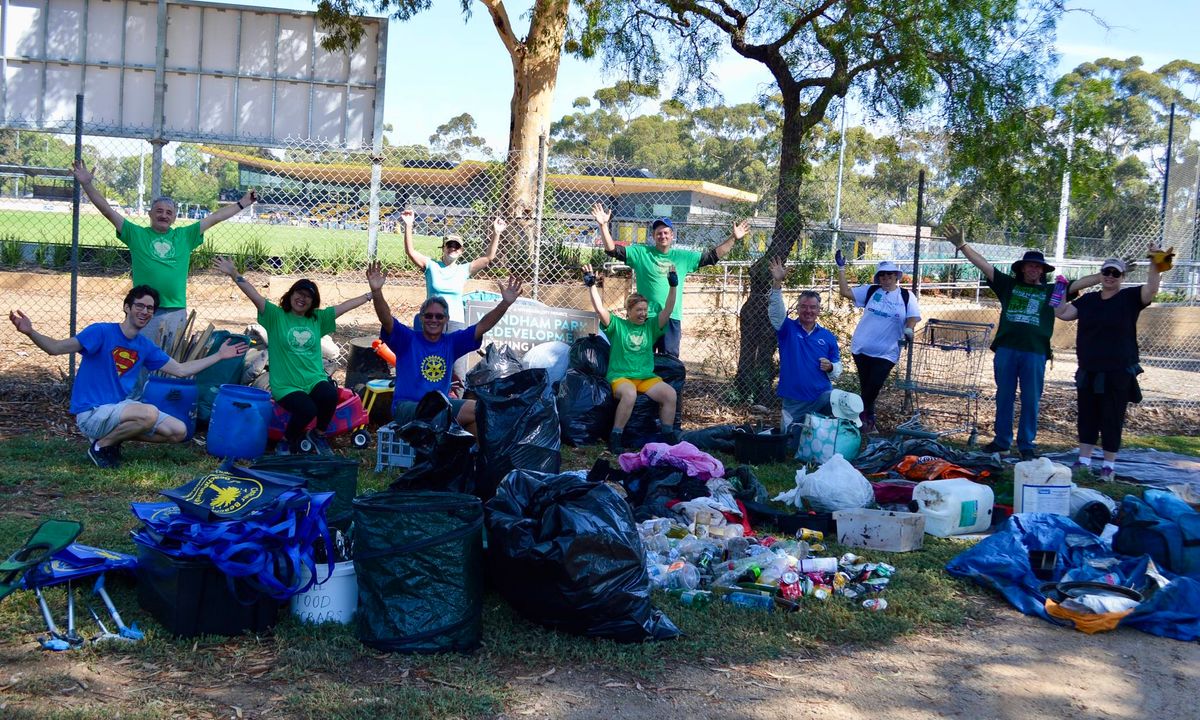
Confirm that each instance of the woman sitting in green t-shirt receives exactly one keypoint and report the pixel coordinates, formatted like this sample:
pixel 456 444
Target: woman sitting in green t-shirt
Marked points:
pixel 631 360
pixel 294 330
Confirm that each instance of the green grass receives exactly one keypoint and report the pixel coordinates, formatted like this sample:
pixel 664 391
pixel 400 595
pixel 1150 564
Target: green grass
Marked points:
pixel 228 237
pixel 326 673
pixel 1182 444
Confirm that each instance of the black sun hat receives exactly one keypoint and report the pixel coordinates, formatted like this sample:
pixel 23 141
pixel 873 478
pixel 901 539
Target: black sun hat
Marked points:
pixel 1032 256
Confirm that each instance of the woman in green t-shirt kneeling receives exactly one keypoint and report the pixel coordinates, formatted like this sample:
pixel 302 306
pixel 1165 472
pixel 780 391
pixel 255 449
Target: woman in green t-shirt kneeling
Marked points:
pixel 631 360
pixel 294 330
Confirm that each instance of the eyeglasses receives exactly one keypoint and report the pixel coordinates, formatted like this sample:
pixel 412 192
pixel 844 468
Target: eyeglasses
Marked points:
pixel 434 316
pixel 1111 272
pixel 143 307
pixel 452 246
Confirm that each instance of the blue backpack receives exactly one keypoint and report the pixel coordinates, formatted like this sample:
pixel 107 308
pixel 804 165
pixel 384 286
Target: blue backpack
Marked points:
pixel 1162 526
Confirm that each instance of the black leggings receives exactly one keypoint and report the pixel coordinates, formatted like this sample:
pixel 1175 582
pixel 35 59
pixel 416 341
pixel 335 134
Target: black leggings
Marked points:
pixel 872 374
pixel 319 403
pixel 1103 398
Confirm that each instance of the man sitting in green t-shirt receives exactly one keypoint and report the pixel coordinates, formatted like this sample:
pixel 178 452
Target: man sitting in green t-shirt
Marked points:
pixel 161 254
pixel 649 267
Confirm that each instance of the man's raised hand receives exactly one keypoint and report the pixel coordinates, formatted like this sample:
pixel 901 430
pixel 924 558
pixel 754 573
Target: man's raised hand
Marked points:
pixel 376 276
pixel 510 290
pixel 601 214
pixel 778 270
pixel 23 324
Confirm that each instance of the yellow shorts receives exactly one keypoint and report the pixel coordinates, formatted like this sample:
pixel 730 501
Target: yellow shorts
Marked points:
pixel 640 385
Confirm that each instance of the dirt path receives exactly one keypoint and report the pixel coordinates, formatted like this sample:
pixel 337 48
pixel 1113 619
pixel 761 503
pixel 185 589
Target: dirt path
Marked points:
pixel 1012 666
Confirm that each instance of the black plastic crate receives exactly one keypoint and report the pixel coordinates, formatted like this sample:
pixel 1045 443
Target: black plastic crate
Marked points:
pixel 759 448
pixel 790 522
pixel 192 597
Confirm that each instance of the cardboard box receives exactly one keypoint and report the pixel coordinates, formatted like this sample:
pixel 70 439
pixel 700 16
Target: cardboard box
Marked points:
pixel 880 529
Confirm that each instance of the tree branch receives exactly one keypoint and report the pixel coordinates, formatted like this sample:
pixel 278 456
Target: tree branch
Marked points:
pixel 504 28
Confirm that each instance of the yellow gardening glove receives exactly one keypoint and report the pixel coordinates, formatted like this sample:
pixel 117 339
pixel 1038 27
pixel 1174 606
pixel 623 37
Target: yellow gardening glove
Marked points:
pixel 1163 259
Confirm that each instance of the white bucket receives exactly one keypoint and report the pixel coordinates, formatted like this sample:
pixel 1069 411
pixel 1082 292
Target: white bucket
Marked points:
pixel 334 600
pixel 954 507
pixel 1041 486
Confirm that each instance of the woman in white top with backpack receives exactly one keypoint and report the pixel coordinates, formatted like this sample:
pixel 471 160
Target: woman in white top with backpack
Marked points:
pixel 890 314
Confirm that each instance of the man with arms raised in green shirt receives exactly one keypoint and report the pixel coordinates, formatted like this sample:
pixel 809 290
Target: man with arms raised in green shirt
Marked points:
pixel 650 267
pixel 161 253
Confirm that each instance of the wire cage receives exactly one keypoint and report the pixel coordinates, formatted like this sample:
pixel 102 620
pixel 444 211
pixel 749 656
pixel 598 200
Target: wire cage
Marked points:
pixel 941 382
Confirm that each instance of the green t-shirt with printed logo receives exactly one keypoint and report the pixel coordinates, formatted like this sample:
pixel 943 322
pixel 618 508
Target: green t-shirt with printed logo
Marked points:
pixel 632 354
pixel 294 348
pixel 1026 318
pixel 161 260
pixel 650 275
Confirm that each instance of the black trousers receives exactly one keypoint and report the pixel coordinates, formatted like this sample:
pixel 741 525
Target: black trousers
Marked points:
pixel 872 374
pixel 1103 398
pixel 319 403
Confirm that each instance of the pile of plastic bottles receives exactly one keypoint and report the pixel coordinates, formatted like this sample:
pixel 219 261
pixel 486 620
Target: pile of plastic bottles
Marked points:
pixel 762 573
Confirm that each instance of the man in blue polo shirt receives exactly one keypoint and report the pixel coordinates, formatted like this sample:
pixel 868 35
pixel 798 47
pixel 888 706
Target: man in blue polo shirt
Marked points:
pixel 809 359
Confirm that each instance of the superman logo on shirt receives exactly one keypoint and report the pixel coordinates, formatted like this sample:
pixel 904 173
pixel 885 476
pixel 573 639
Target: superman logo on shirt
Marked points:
pixel 124 359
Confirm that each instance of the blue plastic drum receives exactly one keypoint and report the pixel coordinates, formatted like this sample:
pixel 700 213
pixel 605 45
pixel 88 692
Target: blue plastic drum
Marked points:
pixel 238 428
pixel 175 397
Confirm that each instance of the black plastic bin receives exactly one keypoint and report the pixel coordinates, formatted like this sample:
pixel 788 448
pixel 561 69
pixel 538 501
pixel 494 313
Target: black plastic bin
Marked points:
pixel 757 448
pixel 790 522
pixel 192 597
pixel 321 473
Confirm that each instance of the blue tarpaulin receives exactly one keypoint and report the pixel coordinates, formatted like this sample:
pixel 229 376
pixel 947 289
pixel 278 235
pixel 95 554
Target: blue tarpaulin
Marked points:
pixel 1002 562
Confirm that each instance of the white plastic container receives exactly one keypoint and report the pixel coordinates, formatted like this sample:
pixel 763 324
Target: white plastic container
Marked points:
pixel 334 600
pixel 1041 486
pixel 954 507
pixel 880 529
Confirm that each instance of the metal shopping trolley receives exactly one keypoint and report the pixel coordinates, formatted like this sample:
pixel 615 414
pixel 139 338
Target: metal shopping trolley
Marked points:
pixel 941 379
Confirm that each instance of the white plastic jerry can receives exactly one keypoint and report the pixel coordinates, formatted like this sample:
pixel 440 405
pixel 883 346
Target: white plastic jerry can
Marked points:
pixel 954 507
pixel 1042 486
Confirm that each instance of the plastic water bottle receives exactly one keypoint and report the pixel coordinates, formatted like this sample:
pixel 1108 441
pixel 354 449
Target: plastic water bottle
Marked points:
pixel 1059 292
pixel 752 601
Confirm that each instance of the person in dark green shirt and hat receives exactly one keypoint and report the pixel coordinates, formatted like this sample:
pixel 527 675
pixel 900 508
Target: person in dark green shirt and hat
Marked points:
pixel 1022 341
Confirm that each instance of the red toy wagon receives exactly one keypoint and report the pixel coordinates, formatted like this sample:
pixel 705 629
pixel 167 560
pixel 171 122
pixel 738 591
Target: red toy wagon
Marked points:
pixel 349 417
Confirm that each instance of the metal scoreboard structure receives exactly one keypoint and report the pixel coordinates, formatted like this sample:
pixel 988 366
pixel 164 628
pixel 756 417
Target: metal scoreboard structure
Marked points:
pixel 194 72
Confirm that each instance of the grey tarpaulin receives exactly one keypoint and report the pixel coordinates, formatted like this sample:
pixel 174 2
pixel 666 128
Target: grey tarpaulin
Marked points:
pixel 1144 466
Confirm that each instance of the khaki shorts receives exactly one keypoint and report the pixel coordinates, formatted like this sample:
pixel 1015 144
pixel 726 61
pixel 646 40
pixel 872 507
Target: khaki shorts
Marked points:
pixel 103 419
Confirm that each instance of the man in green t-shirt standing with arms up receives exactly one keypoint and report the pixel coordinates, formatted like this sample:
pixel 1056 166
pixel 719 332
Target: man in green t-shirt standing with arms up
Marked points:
pixel 650 267
pixel 161 253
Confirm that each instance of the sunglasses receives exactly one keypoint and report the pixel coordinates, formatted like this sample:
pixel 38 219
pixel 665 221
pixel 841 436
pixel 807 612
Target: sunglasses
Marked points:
pixel 434 316
pixel 452 246
pixel 1111 272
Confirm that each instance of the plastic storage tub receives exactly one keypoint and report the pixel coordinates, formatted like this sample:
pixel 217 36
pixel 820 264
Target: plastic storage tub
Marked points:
pixel 880 529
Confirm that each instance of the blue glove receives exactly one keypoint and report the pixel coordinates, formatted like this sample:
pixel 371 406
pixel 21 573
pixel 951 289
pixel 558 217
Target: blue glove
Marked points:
pixel 673 279
pixel 589 279
pixel 839 258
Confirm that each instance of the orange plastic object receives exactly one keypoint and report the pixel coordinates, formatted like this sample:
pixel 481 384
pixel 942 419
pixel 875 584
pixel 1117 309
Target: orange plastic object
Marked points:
pixel 384 352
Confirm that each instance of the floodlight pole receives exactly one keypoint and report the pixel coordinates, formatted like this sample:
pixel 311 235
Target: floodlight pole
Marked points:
pixel 160 103
pixel 837 199
pixel 1162 213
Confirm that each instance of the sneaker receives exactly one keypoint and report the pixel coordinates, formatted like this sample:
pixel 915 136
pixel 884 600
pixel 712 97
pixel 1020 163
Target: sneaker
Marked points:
pixel 1107 474
pixel 281 448
pixel 868 424
pixel 104 458
pixel 1028 454
pixel 319 443
pixel 671 437
pixel 993 449
pixel 1077 467
pixel 614 442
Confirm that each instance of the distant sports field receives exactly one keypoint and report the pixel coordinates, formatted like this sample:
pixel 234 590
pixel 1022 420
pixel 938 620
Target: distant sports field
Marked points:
pixel 232 236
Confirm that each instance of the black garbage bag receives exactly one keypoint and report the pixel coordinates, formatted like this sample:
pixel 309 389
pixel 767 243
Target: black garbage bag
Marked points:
pixel 518 428
pixel 419 561
pixel 643 422
pixel 589 355
pixel 321 473
pixel 499 361
pixel 565 552
pixel 442 449
pixel 746 486
pixel 714 438
pixel 585 408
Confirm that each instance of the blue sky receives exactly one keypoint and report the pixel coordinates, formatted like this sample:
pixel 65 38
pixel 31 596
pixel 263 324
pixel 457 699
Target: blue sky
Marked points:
pixel 440 65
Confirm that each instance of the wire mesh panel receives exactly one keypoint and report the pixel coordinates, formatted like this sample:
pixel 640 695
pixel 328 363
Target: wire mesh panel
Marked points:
pixel 942 381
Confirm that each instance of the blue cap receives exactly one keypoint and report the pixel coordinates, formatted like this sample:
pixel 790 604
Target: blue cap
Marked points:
pixel 662 221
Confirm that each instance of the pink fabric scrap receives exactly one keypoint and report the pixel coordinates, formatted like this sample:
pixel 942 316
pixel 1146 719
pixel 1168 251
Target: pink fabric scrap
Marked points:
pixel 685 456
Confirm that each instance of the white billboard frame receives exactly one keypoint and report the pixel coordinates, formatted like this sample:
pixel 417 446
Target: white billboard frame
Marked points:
pixel 188 72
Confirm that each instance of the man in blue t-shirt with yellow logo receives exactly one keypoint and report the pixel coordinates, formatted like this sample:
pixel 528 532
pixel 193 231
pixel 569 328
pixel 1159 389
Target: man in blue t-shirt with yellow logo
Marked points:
pixel 424 359
pixel 111 358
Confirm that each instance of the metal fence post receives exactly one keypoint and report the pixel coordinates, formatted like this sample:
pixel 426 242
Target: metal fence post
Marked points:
pixel 539 212
pixel 916 287
pixel 75 199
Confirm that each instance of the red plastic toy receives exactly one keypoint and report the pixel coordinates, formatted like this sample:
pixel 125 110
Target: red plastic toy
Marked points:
pixel 349 417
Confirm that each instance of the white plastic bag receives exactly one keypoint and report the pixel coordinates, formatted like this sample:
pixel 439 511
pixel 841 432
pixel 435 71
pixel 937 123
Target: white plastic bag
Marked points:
pixel 551 355
pixel 836 485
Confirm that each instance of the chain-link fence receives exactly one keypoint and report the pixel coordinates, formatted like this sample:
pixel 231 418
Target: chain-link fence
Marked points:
pixel 320 217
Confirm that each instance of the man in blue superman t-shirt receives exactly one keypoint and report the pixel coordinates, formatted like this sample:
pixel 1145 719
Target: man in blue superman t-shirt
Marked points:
pixel 112 356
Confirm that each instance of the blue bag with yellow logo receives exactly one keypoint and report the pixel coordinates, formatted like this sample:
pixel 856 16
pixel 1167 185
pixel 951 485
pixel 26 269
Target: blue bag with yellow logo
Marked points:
pixel 231 492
